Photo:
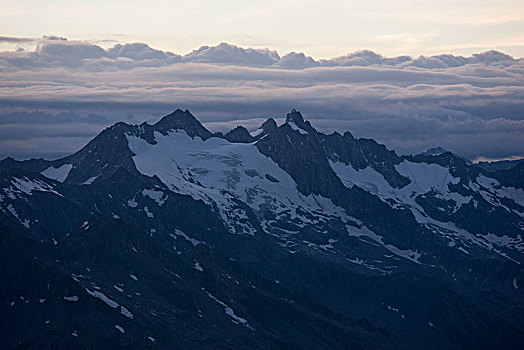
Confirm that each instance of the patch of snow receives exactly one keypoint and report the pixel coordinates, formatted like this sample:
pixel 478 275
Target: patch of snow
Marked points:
pixel 229 311
pixel 356 261
pixel 515 283
pixel 133 277
pixel 12 210
pixel 74 334
pixel 489 241
pixel 392 308
pixel 27 186
pixel 368 179
pixel 198 267
pixel 296 128
pixel 73 298
pixel 193 241
pixel 424 178
pixel 126 312
pixel 491 191
pixel 118 288
pixel 256 132
pixel 58 174
pixel 132 203
pixel 120 329
pixel 363 231
pixel 318 246
pixel 157 196
pixel 504 241
pixel 111 303
pixel 90 180
pixel 148 213
pixel 463 250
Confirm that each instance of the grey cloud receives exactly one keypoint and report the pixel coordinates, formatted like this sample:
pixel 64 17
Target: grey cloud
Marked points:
pixel 54 37
pixel 14 40
pixel 38 134
pixel 58 51
pixel 363 58
pixel 370 58
pixel 294 60
pixel 230 54
pixel 141 52
pixel 62 53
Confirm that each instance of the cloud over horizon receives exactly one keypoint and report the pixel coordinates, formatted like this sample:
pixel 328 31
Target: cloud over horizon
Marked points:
pixel 471 105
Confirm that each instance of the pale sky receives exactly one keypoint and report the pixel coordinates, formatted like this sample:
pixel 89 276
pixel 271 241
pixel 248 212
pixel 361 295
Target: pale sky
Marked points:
pixel 322 29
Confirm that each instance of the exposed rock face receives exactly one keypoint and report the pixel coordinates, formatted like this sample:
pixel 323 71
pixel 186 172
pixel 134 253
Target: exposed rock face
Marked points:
pixel 301 155
pixel 498 165
pixel 239 135
pixel 269 125
pixel 512 177
pixel 182 120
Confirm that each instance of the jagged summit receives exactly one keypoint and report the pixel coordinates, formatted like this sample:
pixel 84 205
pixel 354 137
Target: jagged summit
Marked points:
pixel 182 120
pixel 348 135
pixel 437 151
pixel 239 135
pixel 269 125
pixel 295 118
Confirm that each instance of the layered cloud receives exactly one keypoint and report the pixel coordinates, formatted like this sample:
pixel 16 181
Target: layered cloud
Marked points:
pixel 471 105
pixel 54 51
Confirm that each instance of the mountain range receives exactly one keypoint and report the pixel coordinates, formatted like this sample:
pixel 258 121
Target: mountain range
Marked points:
pixel 168 235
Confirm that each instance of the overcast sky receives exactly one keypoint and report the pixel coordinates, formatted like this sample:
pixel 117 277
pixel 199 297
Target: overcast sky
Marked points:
pixel 321 29
pixel 430 79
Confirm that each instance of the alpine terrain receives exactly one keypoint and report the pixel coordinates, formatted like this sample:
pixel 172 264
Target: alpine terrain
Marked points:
pixel 170 236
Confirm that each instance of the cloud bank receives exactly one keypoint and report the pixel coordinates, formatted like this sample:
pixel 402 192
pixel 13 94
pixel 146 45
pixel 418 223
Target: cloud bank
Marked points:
pixel 55 98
